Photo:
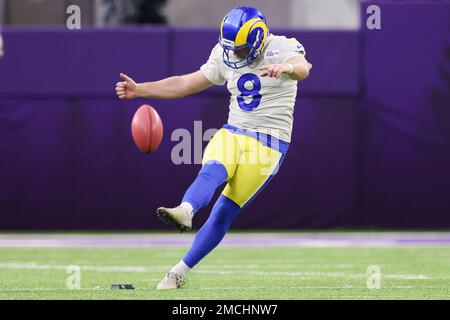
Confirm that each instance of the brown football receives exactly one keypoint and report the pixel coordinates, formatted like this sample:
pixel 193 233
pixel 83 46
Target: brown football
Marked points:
pixel 147 129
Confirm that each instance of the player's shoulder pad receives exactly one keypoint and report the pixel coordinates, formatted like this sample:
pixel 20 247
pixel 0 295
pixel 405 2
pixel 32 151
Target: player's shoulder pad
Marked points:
pixel 216 54
pixel 290 45
pixel 217 51
pixel 295 46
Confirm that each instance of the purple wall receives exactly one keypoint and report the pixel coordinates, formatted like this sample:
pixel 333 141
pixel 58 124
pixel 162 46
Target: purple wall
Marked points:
pixel 372 157
pixel 78 168
pixel 404 120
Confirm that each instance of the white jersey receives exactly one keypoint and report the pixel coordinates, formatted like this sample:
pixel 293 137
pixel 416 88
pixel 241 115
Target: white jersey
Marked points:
pixel 259 104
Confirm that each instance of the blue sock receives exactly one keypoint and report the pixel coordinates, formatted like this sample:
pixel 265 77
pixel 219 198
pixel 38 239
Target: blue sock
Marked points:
pixel 210 177
pixel 213 231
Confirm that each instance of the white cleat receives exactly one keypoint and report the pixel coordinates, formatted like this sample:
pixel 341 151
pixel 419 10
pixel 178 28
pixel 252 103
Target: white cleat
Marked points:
pixel 179 217
pixel 171 281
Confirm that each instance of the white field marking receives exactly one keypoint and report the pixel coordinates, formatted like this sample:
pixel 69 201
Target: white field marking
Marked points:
pixel 64 289
pixel 301 287
pixel 210 267
pixel 265 288
pixel 277 265
pixel 167 255
pixel 36 266
pixel 32 289
pixel 398 276
pixel 406 276
pixel 160 268
pixel 276 273
pixel 142 269
pixel 279 261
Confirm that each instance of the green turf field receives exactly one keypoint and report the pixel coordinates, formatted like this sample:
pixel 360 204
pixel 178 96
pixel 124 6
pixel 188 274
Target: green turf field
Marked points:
pixel 229 273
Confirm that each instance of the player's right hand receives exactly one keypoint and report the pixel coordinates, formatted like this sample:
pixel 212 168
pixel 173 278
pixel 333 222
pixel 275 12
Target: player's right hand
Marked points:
pixel 127 88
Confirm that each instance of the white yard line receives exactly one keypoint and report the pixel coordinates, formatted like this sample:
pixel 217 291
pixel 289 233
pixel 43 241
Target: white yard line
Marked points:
pixel 36 266
pixel 398 276
pixel 204 270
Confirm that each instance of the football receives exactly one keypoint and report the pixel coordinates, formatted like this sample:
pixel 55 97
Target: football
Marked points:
pixel 147 129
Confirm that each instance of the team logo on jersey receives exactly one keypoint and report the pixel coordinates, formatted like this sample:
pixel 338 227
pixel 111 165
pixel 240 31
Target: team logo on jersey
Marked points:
pixel 272 53
pixel 300 49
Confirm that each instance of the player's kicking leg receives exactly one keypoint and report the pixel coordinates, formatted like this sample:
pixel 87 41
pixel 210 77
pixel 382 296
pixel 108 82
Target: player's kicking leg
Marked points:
pixel 207 238
pixel 199 194
pixel 219 164
pixel 246 178
pixel 212 174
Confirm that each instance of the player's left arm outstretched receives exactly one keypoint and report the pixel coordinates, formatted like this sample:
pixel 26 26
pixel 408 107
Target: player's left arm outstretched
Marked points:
pixel 296 68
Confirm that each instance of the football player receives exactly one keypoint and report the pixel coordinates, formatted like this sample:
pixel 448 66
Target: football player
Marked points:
pixel 261 71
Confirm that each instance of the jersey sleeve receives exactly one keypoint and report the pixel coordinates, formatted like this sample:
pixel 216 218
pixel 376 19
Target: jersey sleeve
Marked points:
pixel 211 69
pixel 291 48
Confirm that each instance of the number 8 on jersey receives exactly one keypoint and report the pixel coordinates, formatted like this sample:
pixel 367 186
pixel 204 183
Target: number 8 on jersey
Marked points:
pixel 243 84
